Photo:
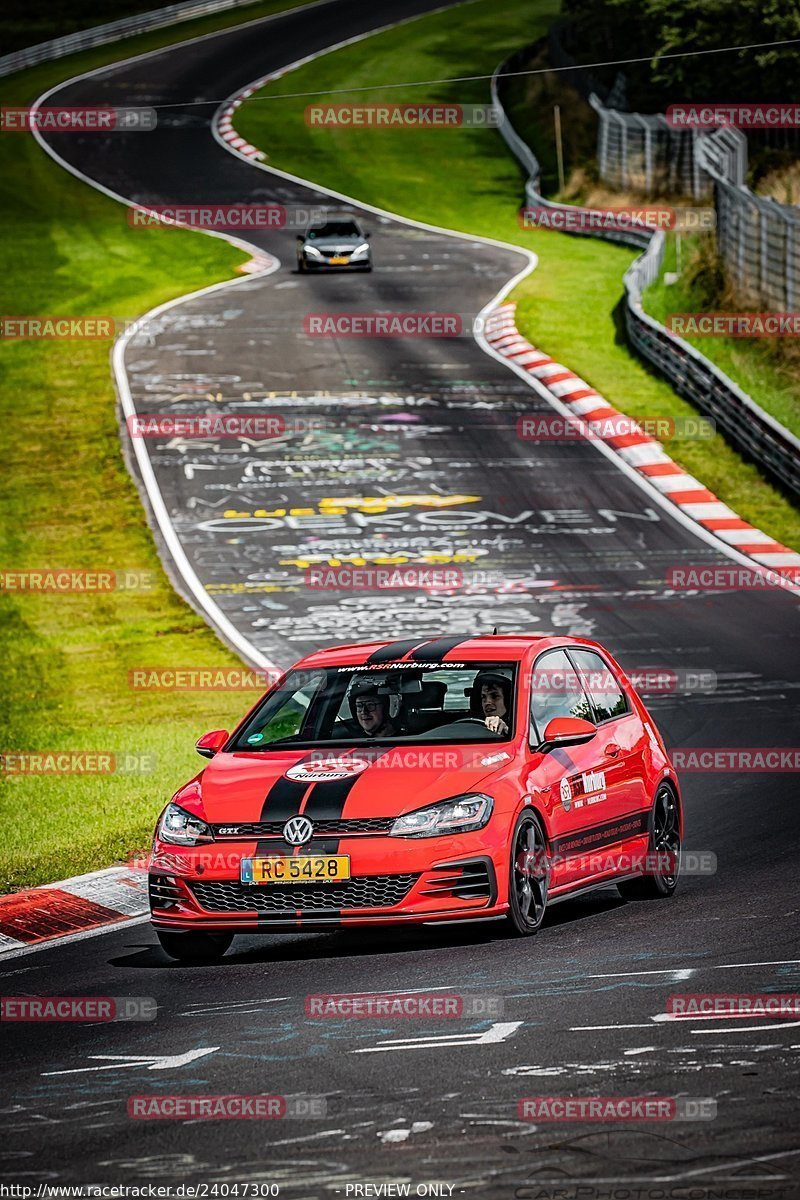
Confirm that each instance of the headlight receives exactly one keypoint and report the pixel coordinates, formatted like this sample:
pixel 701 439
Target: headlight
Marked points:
pixel 312 250
pixel 181 828
pixel 460 814
pixel 361 251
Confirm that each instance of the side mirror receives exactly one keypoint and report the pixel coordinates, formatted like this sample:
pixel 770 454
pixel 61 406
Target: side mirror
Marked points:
pixel 301 237
pixel 367 233
pixel 211 743
pixel 567 731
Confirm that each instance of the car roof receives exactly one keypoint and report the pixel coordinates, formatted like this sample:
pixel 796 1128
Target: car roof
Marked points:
pixel 498 647
pixel 330 217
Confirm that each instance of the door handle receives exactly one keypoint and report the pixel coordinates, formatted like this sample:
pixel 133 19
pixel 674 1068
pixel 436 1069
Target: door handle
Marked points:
pixel 612 749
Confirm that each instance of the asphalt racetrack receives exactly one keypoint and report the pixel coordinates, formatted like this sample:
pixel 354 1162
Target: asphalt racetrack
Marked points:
pixel 587 552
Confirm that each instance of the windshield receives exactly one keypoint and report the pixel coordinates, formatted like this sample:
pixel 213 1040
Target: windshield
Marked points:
pixel 459 702
pixel 335 229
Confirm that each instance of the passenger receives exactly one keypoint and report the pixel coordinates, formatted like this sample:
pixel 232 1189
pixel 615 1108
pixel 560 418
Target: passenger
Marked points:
pixel 494 694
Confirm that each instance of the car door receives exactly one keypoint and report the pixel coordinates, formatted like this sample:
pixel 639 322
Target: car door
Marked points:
pixel 571 779
pixel 621 731
pixel 622 741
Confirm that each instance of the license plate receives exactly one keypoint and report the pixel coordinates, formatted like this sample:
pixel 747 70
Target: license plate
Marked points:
pixel 308 868
pixel 339 260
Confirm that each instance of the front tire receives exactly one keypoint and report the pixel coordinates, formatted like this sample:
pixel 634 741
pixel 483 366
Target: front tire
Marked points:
pixel 528 876
pixel 194 947
pixel 665 838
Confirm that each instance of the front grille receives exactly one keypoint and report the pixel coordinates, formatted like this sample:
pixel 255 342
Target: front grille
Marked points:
pixel 366 891
pixel 345 827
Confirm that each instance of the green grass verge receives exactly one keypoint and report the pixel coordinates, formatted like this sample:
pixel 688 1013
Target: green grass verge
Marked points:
pixel 761 367
pixel 68 501
pixel 466 179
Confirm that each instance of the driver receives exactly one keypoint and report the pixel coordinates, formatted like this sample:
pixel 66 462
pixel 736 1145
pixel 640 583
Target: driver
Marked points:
pixel 372 710
pixel 494 695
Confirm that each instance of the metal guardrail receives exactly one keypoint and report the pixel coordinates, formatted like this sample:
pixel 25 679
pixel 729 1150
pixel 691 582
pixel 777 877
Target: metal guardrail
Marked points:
pixel 99 35
pixel 754 432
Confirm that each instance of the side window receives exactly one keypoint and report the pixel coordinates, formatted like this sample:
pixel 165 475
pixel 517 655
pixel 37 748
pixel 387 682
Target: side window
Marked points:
pixel 556 691
pixel 600 682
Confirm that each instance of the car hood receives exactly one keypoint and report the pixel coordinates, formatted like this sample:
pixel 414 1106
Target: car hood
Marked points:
pixel 374 782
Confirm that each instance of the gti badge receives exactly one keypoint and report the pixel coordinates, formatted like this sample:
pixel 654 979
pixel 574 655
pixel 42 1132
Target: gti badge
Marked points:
pixel 298 830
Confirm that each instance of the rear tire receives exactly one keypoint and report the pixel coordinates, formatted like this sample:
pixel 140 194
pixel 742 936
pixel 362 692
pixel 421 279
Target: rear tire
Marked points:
pixel 665 838
pixel 528 876
pixel 194 947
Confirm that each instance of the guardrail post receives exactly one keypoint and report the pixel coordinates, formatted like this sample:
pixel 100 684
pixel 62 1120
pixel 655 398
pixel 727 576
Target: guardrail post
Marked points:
pixel 624 151
pixel 763 273
pixel 791 264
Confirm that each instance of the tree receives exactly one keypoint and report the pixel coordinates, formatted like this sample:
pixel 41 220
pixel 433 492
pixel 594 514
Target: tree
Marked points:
pixel 655 29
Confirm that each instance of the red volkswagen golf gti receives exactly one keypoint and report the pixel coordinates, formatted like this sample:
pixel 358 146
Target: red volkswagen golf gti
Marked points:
pixel 445 780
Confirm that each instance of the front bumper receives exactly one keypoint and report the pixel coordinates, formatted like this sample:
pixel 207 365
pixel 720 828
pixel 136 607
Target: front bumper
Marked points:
pixel 451 887
pixel 316 264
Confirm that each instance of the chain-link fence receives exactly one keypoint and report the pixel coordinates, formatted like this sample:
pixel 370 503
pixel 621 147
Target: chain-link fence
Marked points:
pixel 757 239
pixel 644 153
pixel 754 432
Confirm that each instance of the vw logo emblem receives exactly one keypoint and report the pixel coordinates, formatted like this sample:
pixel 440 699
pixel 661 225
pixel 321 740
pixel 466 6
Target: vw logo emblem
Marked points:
pixel 298 830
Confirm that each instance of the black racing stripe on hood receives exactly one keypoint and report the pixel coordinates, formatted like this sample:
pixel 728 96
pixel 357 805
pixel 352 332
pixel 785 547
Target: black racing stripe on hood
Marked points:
pixel 281 802
pixel 435 651
pixel 394 651
pixel 327 800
